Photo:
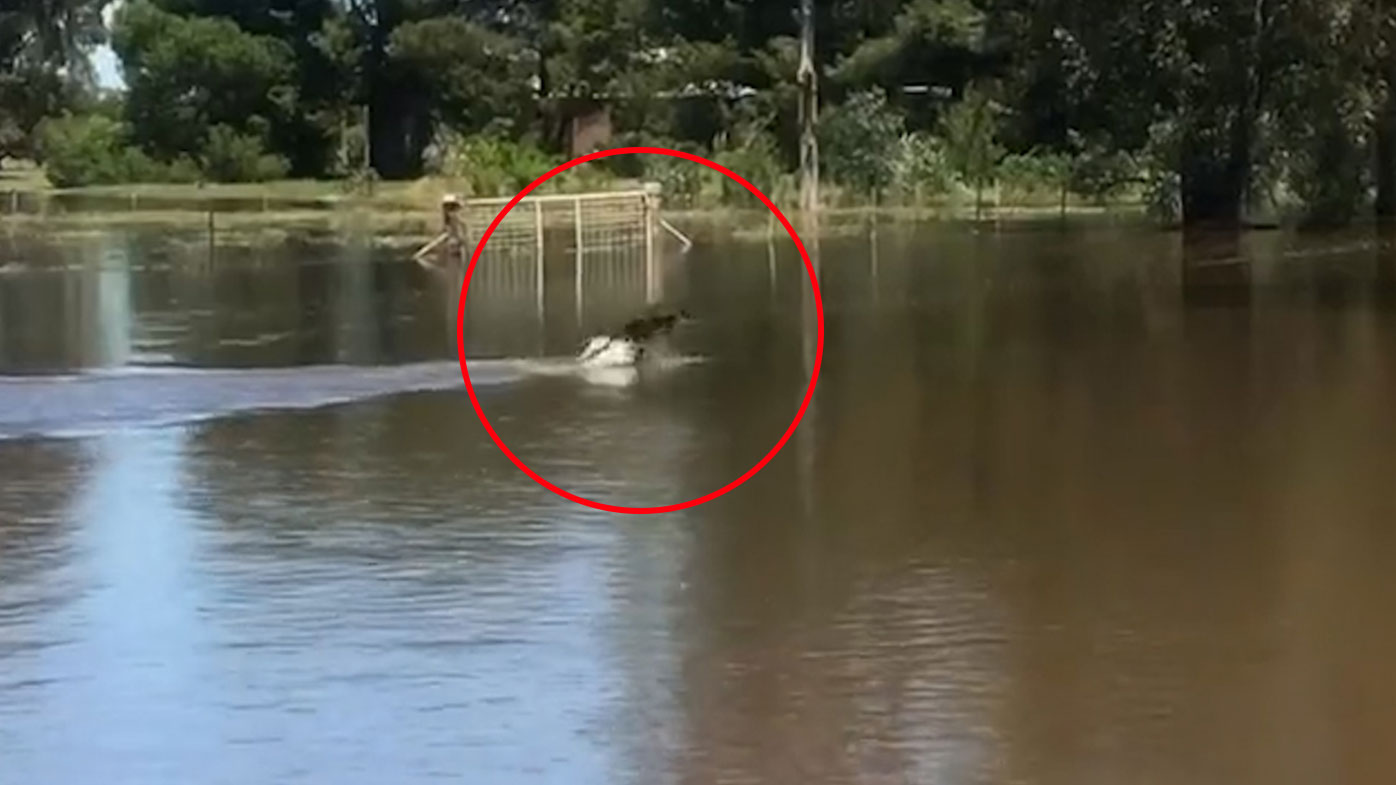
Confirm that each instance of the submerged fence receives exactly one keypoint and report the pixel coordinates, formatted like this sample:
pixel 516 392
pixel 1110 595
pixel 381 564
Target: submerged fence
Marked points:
pixel 598 230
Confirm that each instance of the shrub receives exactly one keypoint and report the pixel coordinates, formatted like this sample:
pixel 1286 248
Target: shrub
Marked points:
pixel 492 166
pixel 86 150
pixel 1034 175
pixel 971 135
pixel 681 181
pixel 859 140
pixel 95 149
pixel 231 157
pixel 1101 173
pixel 1161 181
pixel 181 170
pixel 920 168
pixel 757 159
pixel 82 150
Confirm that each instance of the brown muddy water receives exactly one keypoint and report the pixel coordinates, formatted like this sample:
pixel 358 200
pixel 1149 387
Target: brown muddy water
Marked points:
pixel 1072 505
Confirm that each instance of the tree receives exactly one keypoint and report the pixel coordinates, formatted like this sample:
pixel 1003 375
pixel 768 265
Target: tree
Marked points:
pixel 186 75
pixel 308 131
pixel 480 80
pixel 937 43
pixel 1322 105
pixel 43 64
pixel 971 135
pixel 403 108
pixel 860 139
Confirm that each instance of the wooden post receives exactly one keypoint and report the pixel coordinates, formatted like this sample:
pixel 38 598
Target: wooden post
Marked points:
pixel 538 227
pixel 577 275
pixel 650 278
pixel 809 111
pixel 366 157
pixel 805 438
pixel 577 223
pixel 872 254
pixel 771 264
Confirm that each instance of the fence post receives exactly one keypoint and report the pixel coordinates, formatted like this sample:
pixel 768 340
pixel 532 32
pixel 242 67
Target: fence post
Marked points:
pixel 538 227
pixel 577 275
pixel 650 279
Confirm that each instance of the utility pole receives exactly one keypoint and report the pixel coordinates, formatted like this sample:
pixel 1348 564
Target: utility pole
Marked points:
pixel 809 111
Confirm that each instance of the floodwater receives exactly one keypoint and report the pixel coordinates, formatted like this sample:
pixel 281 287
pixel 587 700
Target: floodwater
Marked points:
pixel 1071 505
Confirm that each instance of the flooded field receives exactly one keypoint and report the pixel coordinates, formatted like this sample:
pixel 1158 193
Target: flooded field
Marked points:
pixel 1071 505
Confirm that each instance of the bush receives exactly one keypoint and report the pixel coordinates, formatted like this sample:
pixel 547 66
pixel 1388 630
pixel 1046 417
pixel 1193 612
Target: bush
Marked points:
pixel 757 159
pixel 94 149
pixel 859 140
pixel 971 135
pixel 491 166
pixel 682 182
pixel 181 170
pixel 920 168
pixel 1033 175
pixel 84 150
pixel 231 157
pixel 1101 173
pixel 1161 181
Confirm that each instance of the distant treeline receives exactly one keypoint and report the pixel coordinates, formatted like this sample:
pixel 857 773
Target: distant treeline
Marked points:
pixel 1209 110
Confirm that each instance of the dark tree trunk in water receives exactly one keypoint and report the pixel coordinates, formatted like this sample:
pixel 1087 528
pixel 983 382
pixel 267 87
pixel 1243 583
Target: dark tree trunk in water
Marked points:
pixel 399 130
pixel 397 121
pixel 1215 273
pixel 1386 151
pixel 1212 189
pixel 1216 167
pixel 1386 167
pixel 1215 179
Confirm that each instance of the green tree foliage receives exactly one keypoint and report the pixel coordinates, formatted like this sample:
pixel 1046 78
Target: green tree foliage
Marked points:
pixel 859 139
pixel 489 165
pixel 971 137
pixel 233 157
pixel 479 78
pixel 43 65
pixel 189 74
pixel 315 32
pixel 930 43
pixel 595 46
pixel 1210 108
pixel 95 149
pixel 921 168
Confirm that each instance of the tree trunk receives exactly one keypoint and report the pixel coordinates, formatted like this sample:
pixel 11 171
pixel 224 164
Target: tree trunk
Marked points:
pixel 399 130
pixel 1212 189
pixel 396 116
pixel 1214 275
pixel 1386 150
pixel 809 111
pixel 1215 178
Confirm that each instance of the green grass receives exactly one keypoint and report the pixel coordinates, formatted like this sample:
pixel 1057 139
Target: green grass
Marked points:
pixel 27 178
pixel 408 208
pixel 22 176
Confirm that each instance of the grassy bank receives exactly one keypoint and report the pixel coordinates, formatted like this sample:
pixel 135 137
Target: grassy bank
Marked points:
pixel 409 208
